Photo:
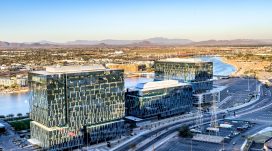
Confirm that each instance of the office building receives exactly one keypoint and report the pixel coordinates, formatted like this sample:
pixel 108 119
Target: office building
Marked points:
pixel 159 98
pixel 194 71
pixel 73 105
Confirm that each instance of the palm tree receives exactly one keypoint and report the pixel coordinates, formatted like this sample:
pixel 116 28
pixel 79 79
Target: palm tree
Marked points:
pixel 10 115
pixel 19 115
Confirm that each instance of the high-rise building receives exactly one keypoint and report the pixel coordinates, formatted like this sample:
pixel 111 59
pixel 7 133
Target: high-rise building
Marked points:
pixel 194 71
pixel 73 105
pixel 159 98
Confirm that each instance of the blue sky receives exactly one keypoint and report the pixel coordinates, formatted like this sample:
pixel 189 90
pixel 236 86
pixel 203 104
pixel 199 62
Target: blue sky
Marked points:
pixel 66 20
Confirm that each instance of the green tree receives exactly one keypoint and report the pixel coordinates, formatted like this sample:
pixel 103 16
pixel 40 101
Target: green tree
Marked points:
pixel 10 115
pixel 19 115
pixel 20 124
pixel 185 132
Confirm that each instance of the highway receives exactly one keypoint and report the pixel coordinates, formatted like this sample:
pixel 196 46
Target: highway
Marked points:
pixel 149 135
pixel 263 102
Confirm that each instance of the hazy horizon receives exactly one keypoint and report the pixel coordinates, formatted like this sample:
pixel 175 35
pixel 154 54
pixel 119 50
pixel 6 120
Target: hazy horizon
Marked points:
pixel 197 20
pixel 63 42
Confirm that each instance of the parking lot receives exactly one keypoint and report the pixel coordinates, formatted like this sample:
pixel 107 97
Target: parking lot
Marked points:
pixel 238 91
pixel 229 132
pixel 10 140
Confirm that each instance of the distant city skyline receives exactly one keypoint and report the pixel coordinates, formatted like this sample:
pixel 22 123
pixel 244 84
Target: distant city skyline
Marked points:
pixel 68 20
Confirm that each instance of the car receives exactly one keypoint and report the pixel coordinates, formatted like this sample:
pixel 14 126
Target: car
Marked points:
pixel 227 137
pixel 233 143
pixel 243 136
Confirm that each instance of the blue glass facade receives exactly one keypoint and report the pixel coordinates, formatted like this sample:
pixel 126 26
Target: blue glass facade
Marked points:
pixel 159 101
pixel 64 102
pixel 198 73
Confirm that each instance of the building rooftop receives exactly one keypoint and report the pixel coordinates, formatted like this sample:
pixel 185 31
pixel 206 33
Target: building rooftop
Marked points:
pixel 183 60
pixel 158 85
pixel 133 118
pixel 2 125
pixel 71 69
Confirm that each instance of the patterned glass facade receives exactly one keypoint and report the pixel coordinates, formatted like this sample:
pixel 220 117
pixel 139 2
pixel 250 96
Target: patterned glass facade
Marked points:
pixel 161 102
pixel 63 103
pixel 197 73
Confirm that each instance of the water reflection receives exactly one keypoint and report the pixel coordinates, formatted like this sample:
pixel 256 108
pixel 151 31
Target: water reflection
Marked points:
pixel 14 103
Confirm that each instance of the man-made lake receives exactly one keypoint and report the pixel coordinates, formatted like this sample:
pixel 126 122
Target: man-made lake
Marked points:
pixel 219 67
pixel 18 103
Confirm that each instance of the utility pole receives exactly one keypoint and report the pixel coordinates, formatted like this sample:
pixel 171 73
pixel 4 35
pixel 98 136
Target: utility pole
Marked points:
pixel 191 144
pixel 248 83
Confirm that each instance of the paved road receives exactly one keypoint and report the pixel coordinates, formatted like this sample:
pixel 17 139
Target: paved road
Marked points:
pixel 144 137
pixel 256 107
pixel 236 143
pixel 6 140
pixel 259 112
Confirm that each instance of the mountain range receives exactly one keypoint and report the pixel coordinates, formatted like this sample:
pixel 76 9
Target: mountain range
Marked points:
pixel 158 41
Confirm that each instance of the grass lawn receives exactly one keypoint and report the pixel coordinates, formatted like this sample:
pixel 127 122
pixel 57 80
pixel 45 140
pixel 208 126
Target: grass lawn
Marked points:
pixel 20 124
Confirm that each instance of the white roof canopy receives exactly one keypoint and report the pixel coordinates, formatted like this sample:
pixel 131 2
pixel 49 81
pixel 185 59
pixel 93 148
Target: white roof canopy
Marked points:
pixel 64 69
pixel 185 60
pixel 159 84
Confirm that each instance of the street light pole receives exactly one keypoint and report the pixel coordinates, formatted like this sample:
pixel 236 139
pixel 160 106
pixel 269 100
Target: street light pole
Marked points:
pixel 191 144
pixel 248 83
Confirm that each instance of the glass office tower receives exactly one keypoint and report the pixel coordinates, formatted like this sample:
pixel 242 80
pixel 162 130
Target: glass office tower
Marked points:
pixel 194 71
pixel 159 98
pixel 73 103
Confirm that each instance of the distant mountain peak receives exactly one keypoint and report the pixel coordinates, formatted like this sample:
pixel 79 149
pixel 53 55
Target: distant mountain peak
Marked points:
pixel 156 41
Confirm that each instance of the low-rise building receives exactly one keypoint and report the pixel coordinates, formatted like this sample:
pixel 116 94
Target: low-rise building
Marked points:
pixel 15 80
pixel 7 81
pixel 128 68
pixel 159 98
pixel 206 99
pixel 22 80
pixel 2 128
